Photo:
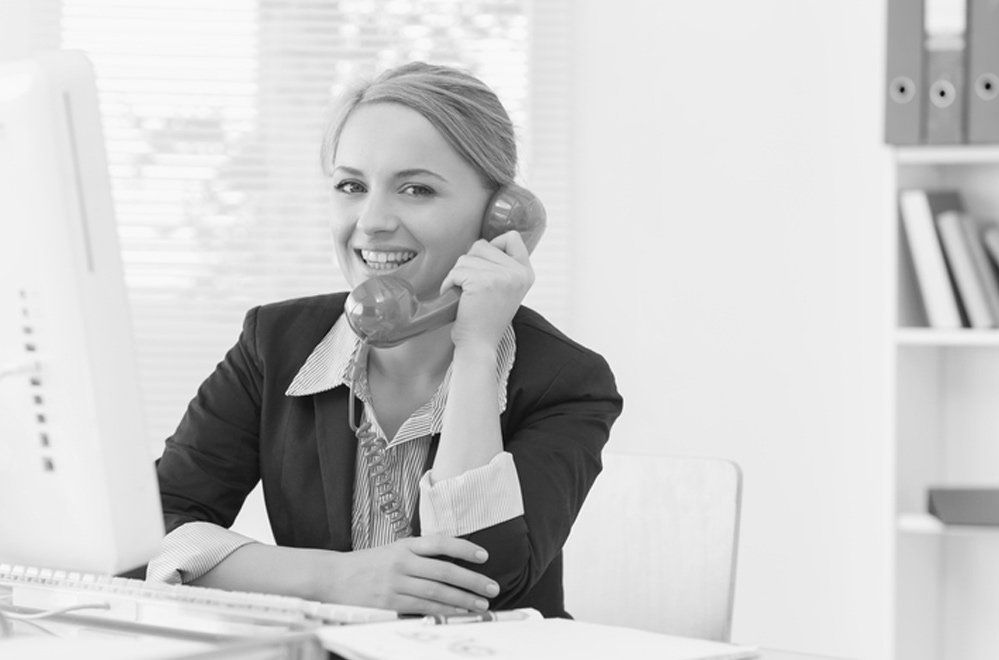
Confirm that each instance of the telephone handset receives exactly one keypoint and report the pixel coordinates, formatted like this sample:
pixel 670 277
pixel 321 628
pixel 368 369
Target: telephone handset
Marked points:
pixel 384 310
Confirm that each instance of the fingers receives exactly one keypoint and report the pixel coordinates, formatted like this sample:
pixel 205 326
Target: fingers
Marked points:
pixel 428 567
pixel 501 249
pixel 444 572
pixel 448 546
pixel 434 593
pixel 413 605
pixel 464 268
pixel 509 273
pixel 504 256
pixel 512 243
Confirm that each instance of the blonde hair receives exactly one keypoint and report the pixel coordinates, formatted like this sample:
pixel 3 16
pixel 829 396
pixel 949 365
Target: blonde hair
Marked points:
pixel 465 111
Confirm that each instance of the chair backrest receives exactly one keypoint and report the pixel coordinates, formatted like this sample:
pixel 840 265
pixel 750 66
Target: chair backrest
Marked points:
pixel 654 546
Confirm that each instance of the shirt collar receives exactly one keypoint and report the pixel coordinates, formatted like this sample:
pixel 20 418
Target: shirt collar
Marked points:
pixel 329 364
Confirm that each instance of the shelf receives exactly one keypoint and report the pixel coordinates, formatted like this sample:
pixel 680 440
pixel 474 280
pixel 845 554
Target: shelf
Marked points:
pixel 944 155
pixel 927 525
pixel 934 337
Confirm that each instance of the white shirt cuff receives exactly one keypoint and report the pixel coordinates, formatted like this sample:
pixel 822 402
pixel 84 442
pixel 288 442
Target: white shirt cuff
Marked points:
pixel 480 498
pixel 192 550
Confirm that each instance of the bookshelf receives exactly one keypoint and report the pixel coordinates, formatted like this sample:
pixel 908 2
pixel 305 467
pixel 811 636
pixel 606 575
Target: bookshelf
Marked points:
pixel 940 155
pixel 930 337
pixel 945 431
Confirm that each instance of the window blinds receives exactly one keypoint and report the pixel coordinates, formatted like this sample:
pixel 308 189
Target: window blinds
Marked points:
pixel 213 116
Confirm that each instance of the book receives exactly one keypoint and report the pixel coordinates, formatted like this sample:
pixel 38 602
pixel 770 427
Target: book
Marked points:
pixel 989 276
pixel 918 209
pixel 957 238
pixel 533 638
pixel 990 237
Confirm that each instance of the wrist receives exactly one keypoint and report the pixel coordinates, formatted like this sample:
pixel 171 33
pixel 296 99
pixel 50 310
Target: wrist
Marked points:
pixel 478 351
pixel 321 579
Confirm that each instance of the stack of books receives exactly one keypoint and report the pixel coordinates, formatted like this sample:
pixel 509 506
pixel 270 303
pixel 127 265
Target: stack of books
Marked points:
pixel 955 257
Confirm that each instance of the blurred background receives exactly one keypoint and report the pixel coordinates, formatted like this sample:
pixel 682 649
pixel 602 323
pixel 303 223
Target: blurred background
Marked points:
pixel 716 186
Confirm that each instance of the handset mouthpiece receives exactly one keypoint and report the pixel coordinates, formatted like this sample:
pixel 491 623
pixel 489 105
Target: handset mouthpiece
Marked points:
pixel 384 311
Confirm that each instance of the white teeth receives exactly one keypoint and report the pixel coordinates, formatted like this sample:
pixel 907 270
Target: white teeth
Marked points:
pixel 380 259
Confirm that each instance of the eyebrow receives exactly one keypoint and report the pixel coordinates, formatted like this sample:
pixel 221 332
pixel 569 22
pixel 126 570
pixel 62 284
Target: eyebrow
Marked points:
pixel 401 174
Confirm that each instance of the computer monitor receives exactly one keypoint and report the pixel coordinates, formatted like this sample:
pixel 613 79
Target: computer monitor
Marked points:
pixel 77 484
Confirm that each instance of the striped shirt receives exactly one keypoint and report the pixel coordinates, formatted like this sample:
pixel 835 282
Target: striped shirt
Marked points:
pixel 479 498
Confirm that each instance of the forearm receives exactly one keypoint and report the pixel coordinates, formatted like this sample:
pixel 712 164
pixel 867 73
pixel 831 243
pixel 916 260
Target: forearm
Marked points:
pixel 270 569
pixel 470 432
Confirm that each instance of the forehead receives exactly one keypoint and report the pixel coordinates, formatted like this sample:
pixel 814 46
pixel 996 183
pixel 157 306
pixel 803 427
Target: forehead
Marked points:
pixel 390 136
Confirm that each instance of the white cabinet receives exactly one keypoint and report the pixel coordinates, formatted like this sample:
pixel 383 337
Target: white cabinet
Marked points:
pixel 945 429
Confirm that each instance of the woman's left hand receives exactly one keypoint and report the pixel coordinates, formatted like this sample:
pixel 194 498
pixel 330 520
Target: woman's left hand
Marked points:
pixel 494 276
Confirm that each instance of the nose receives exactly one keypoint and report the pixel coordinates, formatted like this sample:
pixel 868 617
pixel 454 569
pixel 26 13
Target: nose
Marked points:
pixel 377 214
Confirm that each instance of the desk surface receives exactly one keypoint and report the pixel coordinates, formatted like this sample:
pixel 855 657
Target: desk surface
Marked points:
pixel 112 643
pixel 58 637
pixel 778 654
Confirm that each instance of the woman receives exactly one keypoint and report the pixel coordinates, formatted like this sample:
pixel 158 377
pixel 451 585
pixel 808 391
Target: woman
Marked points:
pixel 478 441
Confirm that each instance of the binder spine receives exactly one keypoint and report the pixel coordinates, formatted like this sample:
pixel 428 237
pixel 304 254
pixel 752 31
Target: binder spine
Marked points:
pixel 983 71
pixel 903 72
pixel 945 95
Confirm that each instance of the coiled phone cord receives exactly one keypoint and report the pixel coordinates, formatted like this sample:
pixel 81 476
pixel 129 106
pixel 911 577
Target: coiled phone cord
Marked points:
pixel 373 449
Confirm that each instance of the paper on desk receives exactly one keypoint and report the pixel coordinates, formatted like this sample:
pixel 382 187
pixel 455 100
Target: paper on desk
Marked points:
pixel 517 640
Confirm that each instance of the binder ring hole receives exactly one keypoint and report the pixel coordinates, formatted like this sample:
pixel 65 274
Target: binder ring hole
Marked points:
pixel 902 89
pixel 987 86
pixel 942 93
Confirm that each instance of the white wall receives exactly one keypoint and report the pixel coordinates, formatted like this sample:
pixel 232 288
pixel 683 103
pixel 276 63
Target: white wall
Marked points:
pixel 729 212
pixel 13 36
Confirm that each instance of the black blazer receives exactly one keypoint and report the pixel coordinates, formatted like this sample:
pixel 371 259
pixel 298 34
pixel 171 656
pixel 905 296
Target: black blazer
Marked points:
pixel 241 428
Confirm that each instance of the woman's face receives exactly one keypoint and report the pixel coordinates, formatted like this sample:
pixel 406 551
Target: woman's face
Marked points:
pixel 404 202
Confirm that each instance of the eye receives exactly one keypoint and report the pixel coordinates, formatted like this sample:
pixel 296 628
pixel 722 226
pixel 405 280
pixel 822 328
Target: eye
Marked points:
pixel 417 190
pixel 349 187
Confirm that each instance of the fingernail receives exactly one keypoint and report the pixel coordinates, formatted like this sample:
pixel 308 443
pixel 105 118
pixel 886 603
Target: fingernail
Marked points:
pixel 481 604
pixel 481 555
pixel 492 588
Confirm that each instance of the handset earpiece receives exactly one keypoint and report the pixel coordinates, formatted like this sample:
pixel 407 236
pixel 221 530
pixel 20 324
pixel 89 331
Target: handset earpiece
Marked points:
pixel 514 207
pixel 384 310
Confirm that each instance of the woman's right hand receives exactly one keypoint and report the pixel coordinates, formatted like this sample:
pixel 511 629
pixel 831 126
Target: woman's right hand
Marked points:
pixel 407 576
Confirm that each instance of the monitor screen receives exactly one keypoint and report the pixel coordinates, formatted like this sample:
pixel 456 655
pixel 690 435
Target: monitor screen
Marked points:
pixel 77 483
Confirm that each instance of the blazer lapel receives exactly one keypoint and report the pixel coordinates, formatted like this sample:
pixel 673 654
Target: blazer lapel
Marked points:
pixel 337 448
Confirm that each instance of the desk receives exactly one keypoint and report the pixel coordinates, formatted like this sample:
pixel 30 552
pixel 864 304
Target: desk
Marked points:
pixel 34 645
pixel 778 654
pixel 124 641
pixel 58 637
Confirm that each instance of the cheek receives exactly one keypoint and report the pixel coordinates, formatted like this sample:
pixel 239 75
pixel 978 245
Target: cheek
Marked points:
pixel 467 226
pixel 457 237
pixel 340 226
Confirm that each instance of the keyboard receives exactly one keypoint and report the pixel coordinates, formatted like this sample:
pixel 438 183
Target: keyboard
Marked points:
pixel 172 606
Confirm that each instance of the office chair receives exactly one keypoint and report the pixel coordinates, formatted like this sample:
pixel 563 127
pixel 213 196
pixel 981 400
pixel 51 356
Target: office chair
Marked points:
pixel 654 546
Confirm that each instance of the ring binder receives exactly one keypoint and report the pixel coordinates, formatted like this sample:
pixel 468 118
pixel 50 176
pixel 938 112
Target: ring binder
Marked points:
pixel 983 71
pixel 945 28
pixel 945 111
pixel 903 72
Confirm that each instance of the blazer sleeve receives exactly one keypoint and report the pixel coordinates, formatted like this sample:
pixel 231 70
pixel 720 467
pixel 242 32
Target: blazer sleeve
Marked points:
pixel 210 464
pixel 556 449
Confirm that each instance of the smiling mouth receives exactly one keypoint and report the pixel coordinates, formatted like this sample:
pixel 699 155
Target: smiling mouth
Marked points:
pixel 385 259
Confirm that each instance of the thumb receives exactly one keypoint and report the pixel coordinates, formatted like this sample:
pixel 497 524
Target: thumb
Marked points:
pixel 512 243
